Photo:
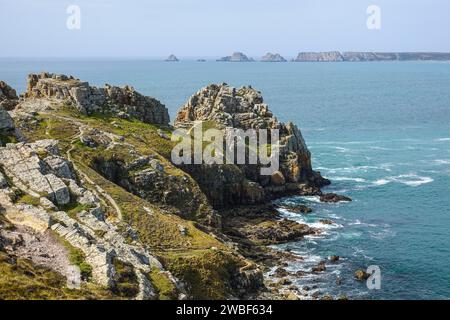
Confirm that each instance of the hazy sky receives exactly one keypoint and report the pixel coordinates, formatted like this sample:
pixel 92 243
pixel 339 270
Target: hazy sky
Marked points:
pixel 156 28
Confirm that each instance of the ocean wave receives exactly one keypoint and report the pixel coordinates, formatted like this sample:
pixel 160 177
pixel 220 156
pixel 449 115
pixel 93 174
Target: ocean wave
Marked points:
pixel 359 223
pixel 355 169
pixel 361 180
pixel 412 180
pixel 442 140
pixel 441 161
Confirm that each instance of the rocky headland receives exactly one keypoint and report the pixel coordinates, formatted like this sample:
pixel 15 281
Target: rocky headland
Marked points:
pixel 236 57
pixel 86 179
pixel 336 56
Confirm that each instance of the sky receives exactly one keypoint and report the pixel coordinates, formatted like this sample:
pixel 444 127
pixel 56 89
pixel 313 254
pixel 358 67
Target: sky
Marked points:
pixel 213 28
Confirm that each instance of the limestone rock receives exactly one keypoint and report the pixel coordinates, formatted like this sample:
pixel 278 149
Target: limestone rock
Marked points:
pixel 6 122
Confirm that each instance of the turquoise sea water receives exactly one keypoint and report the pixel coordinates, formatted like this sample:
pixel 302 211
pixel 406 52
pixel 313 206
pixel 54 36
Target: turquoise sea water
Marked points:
pixel 379 131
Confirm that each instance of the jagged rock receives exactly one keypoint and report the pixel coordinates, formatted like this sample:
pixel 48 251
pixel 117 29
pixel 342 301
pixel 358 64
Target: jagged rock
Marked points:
pixel 236 57
pixel 88 99
pixel 270 57
pixel 59 166
pixel 24 165
pixel 172 58
pixel 334 258
pixel 277 178
pixel 321 267
pixel 6 122
pixel 8 97
pixel 361 275
pixel 3 181
pixel 326 221
pixel 245 109
pixel 298 208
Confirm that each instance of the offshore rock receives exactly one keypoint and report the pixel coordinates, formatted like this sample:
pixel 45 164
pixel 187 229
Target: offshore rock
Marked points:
pixel 270 57
pixel 236 57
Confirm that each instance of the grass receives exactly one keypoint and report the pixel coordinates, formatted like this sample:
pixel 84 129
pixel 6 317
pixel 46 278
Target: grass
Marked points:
pixel 27 199
pixel 77 258
pixel 4 139
pixel 165 288
pixel 21 280
pixel 125 280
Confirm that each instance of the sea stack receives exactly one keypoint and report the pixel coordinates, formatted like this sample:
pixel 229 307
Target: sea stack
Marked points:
pixel 270 57
pixel 172 58
pixel 236 57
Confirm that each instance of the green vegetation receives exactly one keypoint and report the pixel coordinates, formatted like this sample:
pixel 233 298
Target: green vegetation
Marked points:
pixel 4 139
pixel 21 280
pixel 126 284
pixel 77 258
pixel 165 288
pixel 27 199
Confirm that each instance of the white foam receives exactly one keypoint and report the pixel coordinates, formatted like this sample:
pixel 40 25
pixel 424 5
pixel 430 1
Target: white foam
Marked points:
pixel 348 179
pixel 441 161
pixel 412 180
pixel 443 139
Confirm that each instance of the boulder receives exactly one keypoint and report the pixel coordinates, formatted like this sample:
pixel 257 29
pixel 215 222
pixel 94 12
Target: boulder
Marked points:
pixel 8 97
pixel 277 178
pixel 6 122
pixel 361 275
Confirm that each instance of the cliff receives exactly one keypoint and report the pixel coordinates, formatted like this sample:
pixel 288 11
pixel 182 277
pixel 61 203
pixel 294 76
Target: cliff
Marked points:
pixel 370 56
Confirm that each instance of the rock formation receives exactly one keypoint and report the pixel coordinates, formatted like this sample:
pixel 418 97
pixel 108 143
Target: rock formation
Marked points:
pixel 236 57
pixel 8 96
pixel 124 102
pixel 270 57
pixel 244 108
pixel 6 122
pixel 172 58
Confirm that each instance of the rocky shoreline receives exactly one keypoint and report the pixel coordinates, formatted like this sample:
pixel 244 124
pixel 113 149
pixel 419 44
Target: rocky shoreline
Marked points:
pixel 91 166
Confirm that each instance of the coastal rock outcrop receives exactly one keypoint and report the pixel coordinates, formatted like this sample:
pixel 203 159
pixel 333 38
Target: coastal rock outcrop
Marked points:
pixel 125 101
pixel 270 57
pixel 172 58
pixel 223 106
pixel 8 96
pixel 236 57
pixel 6 122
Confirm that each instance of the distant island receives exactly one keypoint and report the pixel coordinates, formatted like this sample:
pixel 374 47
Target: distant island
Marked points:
pixel 236 57
pixel 336 56
pixel 270 57
pixel 172 58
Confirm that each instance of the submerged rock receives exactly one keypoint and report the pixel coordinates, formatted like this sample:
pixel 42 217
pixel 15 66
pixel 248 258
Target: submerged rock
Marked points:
pixel 334 198
pixel 361 275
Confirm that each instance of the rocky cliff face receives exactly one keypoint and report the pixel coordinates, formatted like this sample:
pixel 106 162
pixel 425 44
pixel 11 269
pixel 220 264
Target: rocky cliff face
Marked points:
pixel 125 102
pixel 333 56
pixel 336 56
pixel 245 109
pixel 92 175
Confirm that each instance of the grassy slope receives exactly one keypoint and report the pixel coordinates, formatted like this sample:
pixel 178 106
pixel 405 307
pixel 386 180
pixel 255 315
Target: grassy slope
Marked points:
pixel 202 262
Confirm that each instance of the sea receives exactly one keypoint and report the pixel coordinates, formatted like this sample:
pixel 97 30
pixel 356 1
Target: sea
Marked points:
pixel 380 131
